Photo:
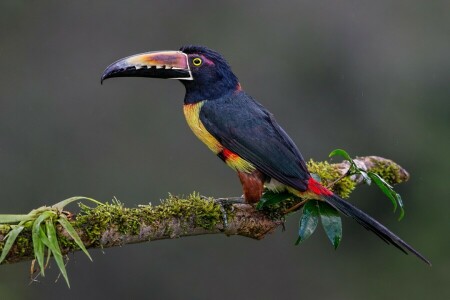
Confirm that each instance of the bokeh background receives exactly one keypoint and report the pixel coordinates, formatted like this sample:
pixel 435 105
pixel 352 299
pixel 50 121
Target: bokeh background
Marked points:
pixel 371 77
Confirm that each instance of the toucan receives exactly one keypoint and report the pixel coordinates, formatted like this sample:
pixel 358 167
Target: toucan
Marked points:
pixel 240 131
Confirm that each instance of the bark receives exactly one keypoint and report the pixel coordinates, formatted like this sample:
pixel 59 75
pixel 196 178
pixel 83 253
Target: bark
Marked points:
pixel 113 225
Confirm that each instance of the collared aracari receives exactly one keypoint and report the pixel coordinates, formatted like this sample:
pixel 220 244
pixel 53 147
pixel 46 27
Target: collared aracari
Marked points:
pixel 239 130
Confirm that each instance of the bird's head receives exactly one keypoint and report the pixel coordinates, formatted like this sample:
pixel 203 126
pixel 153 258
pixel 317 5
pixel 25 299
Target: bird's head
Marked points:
pixel 204 72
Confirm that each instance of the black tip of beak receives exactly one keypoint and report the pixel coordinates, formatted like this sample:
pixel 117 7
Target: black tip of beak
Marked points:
pixel 115 70
pixel 104 77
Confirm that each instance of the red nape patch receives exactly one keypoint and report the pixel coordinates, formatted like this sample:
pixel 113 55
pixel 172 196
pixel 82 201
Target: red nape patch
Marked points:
pixel 238 87
pixel 317 188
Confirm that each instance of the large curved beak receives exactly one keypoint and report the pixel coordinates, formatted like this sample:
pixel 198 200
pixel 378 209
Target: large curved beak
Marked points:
pixel 157 64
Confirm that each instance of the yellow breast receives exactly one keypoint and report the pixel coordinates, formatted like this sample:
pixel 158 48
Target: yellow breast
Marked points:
pixel 192 114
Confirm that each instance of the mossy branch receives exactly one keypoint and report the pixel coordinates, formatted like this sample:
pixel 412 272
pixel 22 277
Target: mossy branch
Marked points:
pixel 113 224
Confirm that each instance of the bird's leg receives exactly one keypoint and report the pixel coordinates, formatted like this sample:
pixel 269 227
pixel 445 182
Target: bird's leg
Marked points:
pixel 230 200
pixel 253 185
pixel 226 203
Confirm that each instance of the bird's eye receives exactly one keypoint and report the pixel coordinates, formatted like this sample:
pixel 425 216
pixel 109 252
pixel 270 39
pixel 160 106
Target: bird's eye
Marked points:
pixel 197 61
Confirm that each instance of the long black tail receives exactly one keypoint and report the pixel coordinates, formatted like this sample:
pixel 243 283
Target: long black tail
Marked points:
pixel 371 224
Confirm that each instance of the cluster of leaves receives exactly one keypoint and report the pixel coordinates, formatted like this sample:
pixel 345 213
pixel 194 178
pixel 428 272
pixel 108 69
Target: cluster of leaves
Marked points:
pixel 368 177
pixel 314 210
pixel 42 222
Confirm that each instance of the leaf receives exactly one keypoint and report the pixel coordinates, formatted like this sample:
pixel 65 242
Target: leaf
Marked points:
pixel 73 234
pixel 400 203
pixel 342 153
pixel 365 176
pixel 60 205
pixel 353 167
pixel 7 219
pixel 44 238
pixel 331 222
pixel 308 221
pixel 388 190
pixel 56 250
pixel 272 198
pixel 10 239
pixel 38 245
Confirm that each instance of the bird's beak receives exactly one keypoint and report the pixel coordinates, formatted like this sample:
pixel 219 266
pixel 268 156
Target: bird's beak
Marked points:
pixel 157 64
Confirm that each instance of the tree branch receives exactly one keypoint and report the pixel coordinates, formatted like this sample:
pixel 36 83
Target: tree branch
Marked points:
pixel 113 224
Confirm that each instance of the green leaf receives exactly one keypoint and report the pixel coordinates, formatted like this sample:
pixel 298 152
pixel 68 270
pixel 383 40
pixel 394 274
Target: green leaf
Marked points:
pixel 272 198
pixel 44 238
pixel 56 250
pixel 400 203
pixel 10 239
pixel 38 245
pixel 331 222
pixel 71 231
pixel 60 205
pixel 388 190
pixel 353 167
pixel 308 221
pixel 365 176
pixel 7 219
pixel 342 153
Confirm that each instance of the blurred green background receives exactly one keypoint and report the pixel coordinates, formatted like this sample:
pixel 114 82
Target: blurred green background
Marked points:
pixel 371 77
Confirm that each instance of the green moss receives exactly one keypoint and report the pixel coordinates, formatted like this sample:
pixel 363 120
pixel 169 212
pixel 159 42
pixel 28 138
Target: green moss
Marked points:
pixel 67 243
pixel 23 243
pixel 204 213
pixel 389 171
pixel 329 173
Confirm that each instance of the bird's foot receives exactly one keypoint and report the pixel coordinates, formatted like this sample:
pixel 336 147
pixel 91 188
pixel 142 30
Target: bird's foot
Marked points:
pixel 230 200
pixel 226 203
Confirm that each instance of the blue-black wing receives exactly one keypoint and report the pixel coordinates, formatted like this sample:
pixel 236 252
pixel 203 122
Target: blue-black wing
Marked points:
pixel 245 127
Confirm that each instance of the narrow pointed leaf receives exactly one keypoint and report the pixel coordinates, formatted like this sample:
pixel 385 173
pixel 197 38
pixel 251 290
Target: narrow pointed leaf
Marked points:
pixel 10 239
pixel 7 219
pixel 44 238
pixel 38 245
pixel 60 205
pixel 46 242
pixel 73 234
pixel 400 203
pixel 331 222
pixel 54 247
pixel 385 188
pixel 388 190
pixel 365 176
pixel 308 221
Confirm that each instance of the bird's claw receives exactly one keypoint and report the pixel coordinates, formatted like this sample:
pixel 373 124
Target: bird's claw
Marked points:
pixel 227 202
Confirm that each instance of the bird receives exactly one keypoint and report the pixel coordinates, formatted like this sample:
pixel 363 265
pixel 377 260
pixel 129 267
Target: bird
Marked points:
pixel 240 131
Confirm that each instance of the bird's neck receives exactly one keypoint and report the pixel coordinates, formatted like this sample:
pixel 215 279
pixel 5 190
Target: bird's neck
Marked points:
pixel 196 93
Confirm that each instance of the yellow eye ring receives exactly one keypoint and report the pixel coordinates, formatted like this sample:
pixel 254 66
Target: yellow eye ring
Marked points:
pixel 197 61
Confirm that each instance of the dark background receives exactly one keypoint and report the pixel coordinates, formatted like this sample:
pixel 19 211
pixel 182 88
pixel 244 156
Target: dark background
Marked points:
pixel 371 77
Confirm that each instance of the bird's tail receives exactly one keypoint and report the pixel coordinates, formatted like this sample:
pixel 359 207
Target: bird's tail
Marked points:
pixel 370 224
